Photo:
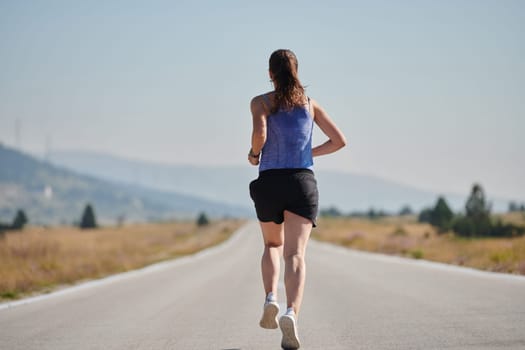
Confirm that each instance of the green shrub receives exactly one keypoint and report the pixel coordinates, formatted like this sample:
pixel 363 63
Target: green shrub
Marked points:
pixel 439 216
pixel 399 231
pixel 88 218
pixel 416 254
pixel 425 215
pixel 331 212
pixel 405 210
pixel 202 220
pixel 9 295
pixel 20 220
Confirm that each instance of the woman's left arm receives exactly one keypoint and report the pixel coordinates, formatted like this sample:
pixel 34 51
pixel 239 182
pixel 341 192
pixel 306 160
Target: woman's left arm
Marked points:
pixel 336 138
pixel 258 129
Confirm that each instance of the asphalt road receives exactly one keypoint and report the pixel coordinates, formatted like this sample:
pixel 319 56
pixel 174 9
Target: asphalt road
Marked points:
pixel 213 301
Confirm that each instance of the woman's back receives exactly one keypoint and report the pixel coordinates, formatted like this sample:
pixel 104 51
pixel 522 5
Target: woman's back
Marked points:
pixel 289 139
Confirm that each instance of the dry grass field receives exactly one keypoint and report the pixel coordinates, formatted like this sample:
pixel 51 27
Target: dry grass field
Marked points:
pixel 404 236
pixel 38 259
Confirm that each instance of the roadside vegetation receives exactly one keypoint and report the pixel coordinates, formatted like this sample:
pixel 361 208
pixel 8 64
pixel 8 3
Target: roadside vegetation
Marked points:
pixel 39 259
pixel 474 238
pixel 405 236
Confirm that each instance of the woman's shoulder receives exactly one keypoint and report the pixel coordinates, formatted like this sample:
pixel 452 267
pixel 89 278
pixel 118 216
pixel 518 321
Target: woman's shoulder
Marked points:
pixel 267 96
pixel 265 100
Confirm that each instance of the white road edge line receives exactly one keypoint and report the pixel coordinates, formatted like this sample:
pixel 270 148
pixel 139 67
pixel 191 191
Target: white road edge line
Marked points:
pixel 133 273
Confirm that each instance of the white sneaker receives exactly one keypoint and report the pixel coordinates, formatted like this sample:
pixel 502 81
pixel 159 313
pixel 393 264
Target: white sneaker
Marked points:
pixel 289 328
pixel 269 317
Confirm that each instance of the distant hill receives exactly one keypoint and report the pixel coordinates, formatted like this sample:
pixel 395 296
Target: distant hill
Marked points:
pixel 229 184
pixel 50 194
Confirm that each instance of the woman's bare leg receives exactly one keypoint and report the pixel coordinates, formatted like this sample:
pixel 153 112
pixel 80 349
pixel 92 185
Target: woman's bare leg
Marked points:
pixel 273 236
pixel 297 230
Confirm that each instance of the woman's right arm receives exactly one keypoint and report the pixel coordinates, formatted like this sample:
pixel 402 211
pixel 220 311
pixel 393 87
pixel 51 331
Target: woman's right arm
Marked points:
pixel 336 139
pixel 258 128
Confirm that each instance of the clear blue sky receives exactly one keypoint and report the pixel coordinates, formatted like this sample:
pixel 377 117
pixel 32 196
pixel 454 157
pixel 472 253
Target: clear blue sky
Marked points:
pixel 429 93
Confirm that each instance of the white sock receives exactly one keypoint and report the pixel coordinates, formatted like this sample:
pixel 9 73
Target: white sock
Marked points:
pixel 271 297
pixel 290 311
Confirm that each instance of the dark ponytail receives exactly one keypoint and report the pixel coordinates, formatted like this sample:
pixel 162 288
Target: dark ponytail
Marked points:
pixel 288 89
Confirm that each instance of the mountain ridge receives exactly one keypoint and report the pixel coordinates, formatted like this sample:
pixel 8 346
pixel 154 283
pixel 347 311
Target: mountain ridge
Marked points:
pixel 229 183
pixel 52 194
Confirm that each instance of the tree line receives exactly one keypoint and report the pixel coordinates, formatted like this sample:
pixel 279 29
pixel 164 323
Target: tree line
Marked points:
pixel 371 213
pixel 87 220
pixel 18 222
pixel 475 221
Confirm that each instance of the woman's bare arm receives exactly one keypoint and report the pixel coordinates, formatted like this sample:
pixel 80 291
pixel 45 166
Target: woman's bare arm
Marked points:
pixel 259 127
pixel 336 139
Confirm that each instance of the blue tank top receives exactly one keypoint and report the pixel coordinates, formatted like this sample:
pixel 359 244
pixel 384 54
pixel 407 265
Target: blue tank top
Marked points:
pixel 289 139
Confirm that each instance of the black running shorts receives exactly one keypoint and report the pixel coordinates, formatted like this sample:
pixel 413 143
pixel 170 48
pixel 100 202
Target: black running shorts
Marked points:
pixel 277 190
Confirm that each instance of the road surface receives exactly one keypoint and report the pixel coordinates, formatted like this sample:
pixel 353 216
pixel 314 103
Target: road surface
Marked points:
pixel 213 301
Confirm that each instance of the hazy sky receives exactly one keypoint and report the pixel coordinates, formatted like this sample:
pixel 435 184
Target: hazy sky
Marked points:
pixel 428 93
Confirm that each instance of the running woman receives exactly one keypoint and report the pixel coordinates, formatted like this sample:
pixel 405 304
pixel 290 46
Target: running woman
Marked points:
pixel 285 193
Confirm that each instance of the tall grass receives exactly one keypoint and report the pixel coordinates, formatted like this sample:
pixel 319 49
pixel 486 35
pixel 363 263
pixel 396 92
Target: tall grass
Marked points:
pixel 406 237
pixel 38 259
